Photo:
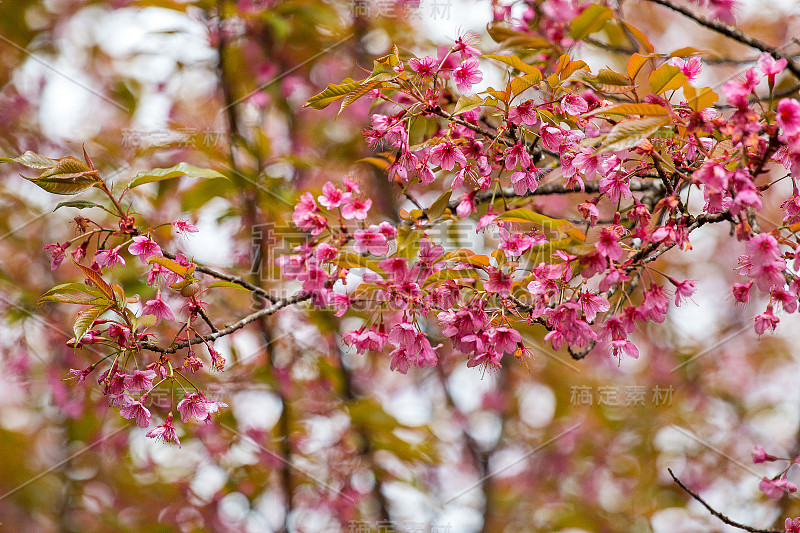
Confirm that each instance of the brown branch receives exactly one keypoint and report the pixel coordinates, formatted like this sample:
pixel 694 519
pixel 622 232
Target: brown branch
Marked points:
pixel 733 33
pixel 719 515
pixel 228 277
pixel 708 60
pixel 277 306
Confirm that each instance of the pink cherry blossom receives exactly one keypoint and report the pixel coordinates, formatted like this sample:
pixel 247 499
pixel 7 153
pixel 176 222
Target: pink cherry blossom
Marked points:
pixel 184 227
pixel 370 240
pixel 332 197
pixel 572 104
pixel 761 456
pixel 165 432
pixel 788 116
pixel 144 247
pixel 525 181
pixel 133 409
pixel 140 380
pixel 446 155
pixel 690 67
pixel 158 308
pixel 424 68
pixel 57 254
pixel 769 66
pixel 499 282
pixel 467 74
pixel 774 489
pixel 107 258
pixel 356 208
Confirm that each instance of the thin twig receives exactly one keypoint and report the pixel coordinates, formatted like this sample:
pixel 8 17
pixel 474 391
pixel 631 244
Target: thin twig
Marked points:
pixel 733 33
pixel 719 515
pixel 277 306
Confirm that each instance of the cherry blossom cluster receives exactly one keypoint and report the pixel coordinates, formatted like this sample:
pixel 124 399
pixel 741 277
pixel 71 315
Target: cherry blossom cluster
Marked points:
pixel 129 380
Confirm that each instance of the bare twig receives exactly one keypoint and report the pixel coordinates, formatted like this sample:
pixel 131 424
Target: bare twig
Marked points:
pixel 733 33
pixel 719 515
pixel 277 306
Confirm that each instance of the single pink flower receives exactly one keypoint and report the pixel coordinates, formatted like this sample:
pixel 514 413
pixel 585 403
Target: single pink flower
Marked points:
pixel 690 67
pixel 332 197
pixel 140 380
pixel 165 432
pixel 574 105
pixel 788 116
pixel 424 68
pixel 774 489
pixel 57 254
pixel 356 208
pixel 144 247
pixel 446 155
pixel 107 258
pixel 370 240
pixel 499 282
pixel 158 308
pixel 467 74
pixel 184 227
pixel 133 409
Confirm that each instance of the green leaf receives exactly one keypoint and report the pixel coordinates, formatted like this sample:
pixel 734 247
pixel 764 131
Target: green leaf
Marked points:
pixel 67 166
pixel 360 91
pixel 522 83
pixel 591 20
pixel 181 169
pixel 85 319
pixel 74 286
pixel 147 321
pixel 632 109
pixel 350 260
pixel 630 133
pixel 640 36
pixel 691 51
pixel 636 62
pixel 332 93
pixel 438 207
pixel 517 63
pixel 467 103
pixel 448 274
pixel 31 160
pixel 98 281
pixel 666 78
pixel 699 100
pixel 77 204
pixel 543 221
pixel 516 39
pixel 80 299
pixel 64 184
pixel 606 81
pixel 228 285
pixel 171 265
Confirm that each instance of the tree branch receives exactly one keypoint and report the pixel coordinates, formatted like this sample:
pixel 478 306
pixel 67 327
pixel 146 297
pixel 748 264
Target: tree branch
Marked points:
pixel 719 515
pixel 277 306
pixel 733 33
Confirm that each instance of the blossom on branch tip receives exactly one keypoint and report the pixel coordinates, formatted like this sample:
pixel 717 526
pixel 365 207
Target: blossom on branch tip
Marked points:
pixel 158 308
pixel 165 432
pixel 690 67
pixel 356 208
pixel 57 254
pixel 467 74
pixel 134 409
pixel 144 247
pixel 184 227
pixel 106 258
pixel 774 489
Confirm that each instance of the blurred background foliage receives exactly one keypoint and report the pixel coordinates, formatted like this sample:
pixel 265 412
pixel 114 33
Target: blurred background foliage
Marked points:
pixel 555 445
